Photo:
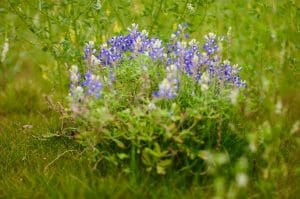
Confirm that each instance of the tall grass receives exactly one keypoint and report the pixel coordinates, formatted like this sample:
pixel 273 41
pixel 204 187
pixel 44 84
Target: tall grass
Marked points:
pixel 245 150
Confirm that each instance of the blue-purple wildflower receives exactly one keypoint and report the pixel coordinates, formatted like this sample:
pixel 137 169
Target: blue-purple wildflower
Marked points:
pixel 82 88
pixel 92 85
pixel 115 49
pixel 181 57
pixel 210 45
pixel 169 86
pixel 74 83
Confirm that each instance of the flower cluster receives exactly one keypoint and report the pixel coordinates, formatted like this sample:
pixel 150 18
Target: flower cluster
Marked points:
pixel 92 84
pixel 202 66
pixel 180 57
pixel 80 88
pixel 169 86
pixel 117 48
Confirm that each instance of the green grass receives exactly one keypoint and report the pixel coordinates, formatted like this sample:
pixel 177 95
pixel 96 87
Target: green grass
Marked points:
pixel 44 37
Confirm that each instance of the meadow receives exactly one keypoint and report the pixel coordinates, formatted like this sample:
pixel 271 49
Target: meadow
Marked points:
pixel 137 124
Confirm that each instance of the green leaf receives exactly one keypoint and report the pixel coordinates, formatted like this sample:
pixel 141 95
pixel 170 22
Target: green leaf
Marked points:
pixel 122 156
pixel 162 166
pixel 119 143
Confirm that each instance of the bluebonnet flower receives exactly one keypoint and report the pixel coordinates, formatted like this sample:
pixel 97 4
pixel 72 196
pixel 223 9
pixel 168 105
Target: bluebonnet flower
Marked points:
pixel 192 62
pixel 88 50
pixel 134 29
pixel 179 56
pixel 212 63
pixel 136 42
pixel 155 49
pixel 108 56
pixel 181 30
pixel 210 45
pixel 92 85
pixel 76 91
pixel 186 57
pixel 74 75
pixel 89 54
pixel 230 73
pixel 169 86
pixel 226 71
pixel 141 42
pixel 204 81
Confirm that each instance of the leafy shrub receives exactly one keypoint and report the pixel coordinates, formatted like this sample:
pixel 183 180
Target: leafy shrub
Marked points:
pixel 140 104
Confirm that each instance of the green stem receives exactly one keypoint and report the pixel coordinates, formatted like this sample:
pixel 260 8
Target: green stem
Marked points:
pixel 117 13
pixel 133 166
pixel 156 16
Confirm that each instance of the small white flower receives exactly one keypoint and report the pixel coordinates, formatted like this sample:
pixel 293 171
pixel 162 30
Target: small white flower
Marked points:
pixel 252 147
pixel 144 33
pixel 138 40
pixel 204 78
pixel 204 82
pixel 74 77
pixel 133 27
pixel 157 44
pixel 229 32
pixel 98 5
pixel 193 42
pixel 171 68
pixel 5 50
pixel 241 179
pixel 204 87
pixel 234 96
pixel 74 68
pixel 210 36
pixel 190 7
pixel 91 44
pixel 236 69
pixel 180 27
pixel 195 59
pixel 226 62
pixel 79 90
pixel 36 19
pixel 165 85
pixel 221 158
pixel 182 44
pixel 278 107
pixel 273 35
pixel 151 106
pixel 104 45
pixel 95 61
pixel 295 127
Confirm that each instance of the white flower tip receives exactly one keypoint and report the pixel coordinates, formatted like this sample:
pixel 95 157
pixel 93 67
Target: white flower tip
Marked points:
pixel 226 62
pixel 74 68
pixel 241 179
pixel 91 44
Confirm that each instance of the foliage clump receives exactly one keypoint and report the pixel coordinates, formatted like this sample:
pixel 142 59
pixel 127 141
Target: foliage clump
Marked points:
pixel 143 104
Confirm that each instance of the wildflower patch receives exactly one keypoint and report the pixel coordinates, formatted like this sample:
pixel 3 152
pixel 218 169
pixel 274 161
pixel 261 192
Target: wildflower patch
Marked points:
pixel 151 100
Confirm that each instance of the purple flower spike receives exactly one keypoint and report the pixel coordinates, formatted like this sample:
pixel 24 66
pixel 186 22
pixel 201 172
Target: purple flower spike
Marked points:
pixel 92 85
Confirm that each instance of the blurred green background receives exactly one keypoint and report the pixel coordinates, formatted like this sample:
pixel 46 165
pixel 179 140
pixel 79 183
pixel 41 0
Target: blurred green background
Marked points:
pixel 45 37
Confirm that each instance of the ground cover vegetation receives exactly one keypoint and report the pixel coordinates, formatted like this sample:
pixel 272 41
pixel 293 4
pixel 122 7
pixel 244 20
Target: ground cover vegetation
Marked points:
pixel 154 99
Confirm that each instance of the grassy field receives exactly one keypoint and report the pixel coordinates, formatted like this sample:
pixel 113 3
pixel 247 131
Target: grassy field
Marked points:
pixel 46 37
